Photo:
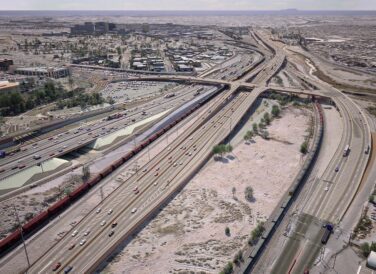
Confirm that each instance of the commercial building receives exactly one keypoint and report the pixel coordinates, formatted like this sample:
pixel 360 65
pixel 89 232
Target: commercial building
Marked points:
pixel 101 27
pixel 44 72
pixel 8 87
pixel 86 29
pixel 5 64
pixel 89 28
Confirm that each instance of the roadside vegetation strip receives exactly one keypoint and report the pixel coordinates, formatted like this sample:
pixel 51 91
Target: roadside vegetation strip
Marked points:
pixel 270 226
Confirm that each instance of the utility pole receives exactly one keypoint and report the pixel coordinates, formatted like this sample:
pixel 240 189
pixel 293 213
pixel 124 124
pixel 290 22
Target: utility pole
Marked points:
pixel 23 240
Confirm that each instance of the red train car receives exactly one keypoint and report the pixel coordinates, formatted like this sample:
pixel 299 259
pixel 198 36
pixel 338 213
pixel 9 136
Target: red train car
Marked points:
pixel 56 207
pixel 78 191
pixel 137 150
pixel 117 163
pixel 106 171
pixel 10 240
pixel 145 143
pixel 36 221
pixel 127 156
pixel 153 138
pixel 93 181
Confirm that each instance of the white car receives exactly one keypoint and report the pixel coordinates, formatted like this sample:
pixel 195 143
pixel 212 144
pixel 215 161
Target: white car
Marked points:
pixel 103 223
pixel 87 233
pixel 326 188
pixel 83 241
pixel 74 233
pixel 134 210
pixel 110 211
pixel 99 210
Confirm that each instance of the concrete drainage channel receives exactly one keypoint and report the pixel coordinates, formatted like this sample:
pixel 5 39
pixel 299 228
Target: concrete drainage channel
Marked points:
pixel 253 254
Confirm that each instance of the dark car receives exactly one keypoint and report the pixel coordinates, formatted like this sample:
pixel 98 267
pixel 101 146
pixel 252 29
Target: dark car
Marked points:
pixel 68 269
pixel 56 267
pixel 337 169
pixel 114 224
pixel 111 233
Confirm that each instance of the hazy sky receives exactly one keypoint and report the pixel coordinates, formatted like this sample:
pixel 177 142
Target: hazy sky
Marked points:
pixel 186 4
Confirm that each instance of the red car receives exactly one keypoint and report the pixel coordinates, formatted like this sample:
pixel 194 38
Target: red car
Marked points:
pixel 56 267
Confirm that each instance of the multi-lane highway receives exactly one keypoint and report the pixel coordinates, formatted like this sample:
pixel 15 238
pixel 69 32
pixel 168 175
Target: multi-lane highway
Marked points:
pixel 72 140
pixel 132 201
pixel 136 198
pixel 117 217
pixel 327 197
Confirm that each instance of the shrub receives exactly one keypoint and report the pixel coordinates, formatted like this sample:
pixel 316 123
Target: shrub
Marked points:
pixel 255 128
pixel 365 248
pixel 248 193
pixel 304 147
pixel 275 111
pixel 228 269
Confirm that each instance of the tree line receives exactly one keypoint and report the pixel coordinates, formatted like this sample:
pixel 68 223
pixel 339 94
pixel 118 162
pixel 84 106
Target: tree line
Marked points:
pixel 16 102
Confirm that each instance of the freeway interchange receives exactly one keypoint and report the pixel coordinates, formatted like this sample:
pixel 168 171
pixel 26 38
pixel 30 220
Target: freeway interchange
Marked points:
pixel 118 216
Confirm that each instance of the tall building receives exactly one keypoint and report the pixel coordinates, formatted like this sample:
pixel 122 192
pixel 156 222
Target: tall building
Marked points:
pixel 101 27
pixel 86 29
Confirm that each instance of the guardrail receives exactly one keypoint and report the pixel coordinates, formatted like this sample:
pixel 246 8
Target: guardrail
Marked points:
pixel 273 222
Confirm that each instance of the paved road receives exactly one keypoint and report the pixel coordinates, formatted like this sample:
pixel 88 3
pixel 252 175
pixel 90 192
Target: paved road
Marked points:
pixel 161 176
pixel 72 140
pixel 330 196
pixel 159 179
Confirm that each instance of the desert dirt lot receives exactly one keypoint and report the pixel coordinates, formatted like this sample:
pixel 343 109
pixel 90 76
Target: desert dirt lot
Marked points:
pixel 189 233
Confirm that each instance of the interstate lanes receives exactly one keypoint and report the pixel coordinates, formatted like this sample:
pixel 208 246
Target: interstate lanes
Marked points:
pixel 202 138
pixel 70 140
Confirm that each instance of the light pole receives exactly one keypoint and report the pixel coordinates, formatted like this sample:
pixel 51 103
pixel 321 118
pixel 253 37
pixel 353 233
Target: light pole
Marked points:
pixel 22 237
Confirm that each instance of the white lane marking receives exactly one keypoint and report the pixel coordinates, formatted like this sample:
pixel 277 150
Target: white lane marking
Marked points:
pixel 359 268
pixel 47 265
